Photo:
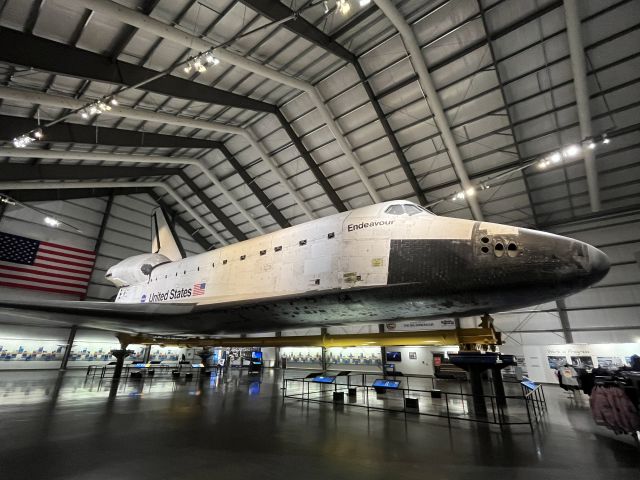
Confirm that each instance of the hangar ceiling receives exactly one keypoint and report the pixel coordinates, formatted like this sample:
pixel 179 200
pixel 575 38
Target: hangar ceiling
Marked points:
pixel 311 111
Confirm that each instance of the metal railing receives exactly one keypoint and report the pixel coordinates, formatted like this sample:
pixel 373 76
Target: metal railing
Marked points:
pixel 526 408
pixel 107 371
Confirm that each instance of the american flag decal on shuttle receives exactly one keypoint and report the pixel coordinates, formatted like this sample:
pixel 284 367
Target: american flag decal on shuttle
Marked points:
pixel 198 289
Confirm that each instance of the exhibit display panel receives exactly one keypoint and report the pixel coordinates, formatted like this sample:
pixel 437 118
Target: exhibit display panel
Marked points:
pixel 302 357
pixel 44 348
pixel 356 358
pixel 543 360
pixel 31 348
pixel 352 358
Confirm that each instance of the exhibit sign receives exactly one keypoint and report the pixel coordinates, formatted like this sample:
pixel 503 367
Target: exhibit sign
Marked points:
pixel 543 360
pixel 442 324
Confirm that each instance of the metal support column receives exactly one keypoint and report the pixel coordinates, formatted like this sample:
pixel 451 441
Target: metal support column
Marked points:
pixel 498 386
pixel 383 350
pixel 146 356
pixel 120 356
pixel 205 355
pixel 477 390
pixel 564 321
pixel 323 331
pixel 276 363
pixel 67 351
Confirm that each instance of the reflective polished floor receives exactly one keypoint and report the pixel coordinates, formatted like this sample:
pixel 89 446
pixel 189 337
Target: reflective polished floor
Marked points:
pixel 64 426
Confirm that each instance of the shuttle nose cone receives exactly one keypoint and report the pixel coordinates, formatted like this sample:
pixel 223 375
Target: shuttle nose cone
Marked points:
pixel 598 264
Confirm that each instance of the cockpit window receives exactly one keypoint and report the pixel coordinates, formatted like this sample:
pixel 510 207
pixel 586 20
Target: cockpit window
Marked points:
pixel 412 210
pixel 395 210
pixel 405 209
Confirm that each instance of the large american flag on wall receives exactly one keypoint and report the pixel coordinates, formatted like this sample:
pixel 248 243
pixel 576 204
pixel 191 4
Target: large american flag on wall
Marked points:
pixel 44 266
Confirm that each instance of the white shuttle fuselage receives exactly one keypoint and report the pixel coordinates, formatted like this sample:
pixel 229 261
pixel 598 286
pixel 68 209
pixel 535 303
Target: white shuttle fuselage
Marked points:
pixel 382 262
pixel 343 251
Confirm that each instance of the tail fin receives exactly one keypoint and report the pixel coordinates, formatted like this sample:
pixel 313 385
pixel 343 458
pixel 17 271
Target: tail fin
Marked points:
pixel 164 239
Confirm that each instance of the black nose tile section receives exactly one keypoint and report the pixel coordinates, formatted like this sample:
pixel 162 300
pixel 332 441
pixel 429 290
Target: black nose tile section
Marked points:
pixel 527 258
pixel 429 261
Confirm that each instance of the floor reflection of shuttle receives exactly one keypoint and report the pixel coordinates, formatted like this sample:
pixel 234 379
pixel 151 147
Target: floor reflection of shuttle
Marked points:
pixel 383 262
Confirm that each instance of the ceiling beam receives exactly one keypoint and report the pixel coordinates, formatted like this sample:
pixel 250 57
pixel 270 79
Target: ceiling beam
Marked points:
pixel 29 96
pixel 80 193
pixel 54 57
pixel 21 172
pixel 354 21
pixel 57 194
pixel 64 194
pixel 11 127
pixel 435 103
pixel 276 11
pixel 123 41
pixel 64 132
pixel 581 89
pixel 312 165
pixel 11 186
pixel 257 191
pixel 195 234
pixel 213 208
pixel 503 96
pixel 151 25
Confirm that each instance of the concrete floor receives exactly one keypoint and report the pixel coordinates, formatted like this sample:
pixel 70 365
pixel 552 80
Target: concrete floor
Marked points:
pixel 65 426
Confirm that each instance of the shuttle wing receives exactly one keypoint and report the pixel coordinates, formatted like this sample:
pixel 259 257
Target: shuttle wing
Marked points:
pixel 127 310
pixel 120 317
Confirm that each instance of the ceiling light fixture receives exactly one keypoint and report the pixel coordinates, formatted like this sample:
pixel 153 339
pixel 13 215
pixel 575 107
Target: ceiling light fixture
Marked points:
pixel 606 140
pixel 571 151
pixel 210 59
pixel 22 141
pixel 52 222
pixel 343 6
pixel 364 3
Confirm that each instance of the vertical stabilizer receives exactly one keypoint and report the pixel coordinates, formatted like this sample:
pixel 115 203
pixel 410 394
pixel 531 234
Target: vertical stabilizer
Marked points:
pixel 164 239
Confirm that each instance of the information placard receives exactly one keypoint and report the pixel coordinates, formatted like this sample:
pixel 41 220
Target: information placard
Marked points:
pixel 383 383
pixel 323 379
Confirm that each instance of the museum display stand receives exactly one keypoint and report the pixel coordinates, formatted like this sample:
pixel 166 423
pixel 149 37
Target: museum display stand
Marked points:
pixel 476 363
